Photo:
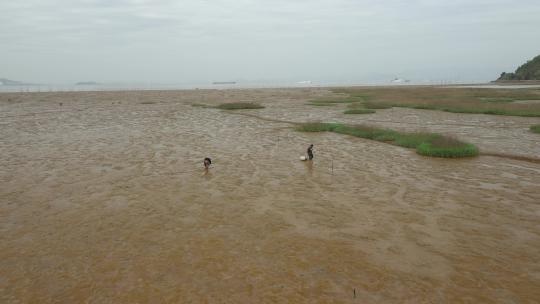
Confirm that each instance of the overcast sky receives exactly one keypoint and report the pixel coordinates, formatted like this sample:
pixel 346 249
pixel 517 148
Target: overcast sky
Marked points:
pixel 162 41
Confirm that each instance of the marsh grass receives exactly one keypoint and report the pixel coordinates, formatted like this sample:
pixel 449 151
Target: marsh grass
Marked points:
pixel 340 100
pixel 321 104
pixel 454 100
pixel 359 111
pixel 413 140
pixel 366 132
pixel 429 144
pixel 356 105
pixel 446 147
pixel 507 112
pixel 239 106
pixel 489 111
pixel 535 128
pixel 376 105
pixel 201 105
pixel 496 99
pixel 316 127
pixel 363 97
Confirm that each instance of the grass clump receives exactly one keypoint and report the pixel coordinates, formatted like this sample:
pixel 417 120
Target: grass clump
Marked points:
pixel 494 112
pixel 364 97
pixel 200 105
pixel 488 111
pixel 341 100
pixel 366 132
pixel 321 104
pixel 377 105
pixel 428 144
pixel 446 147
pixel 413 140
pixel 419 106
pixel 359 111
pixel 496 99
pixel 316 127
pixel 239 106
pixel 535 128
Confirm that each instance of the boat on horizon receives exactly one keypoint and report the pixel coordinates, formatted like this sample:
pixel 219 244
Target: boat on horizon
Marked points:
pixel 400 80
pixel 224 82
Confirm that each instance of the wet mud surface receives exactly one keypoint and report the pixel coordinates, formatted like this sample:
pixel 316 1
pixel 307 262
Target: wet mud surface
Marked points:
pixel 104 199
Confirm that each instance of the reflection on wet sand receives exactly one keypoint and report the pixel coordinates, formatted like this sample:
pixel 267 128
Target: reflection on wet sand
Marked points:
pixel 207 174
pixel 104 200
pixel 309 167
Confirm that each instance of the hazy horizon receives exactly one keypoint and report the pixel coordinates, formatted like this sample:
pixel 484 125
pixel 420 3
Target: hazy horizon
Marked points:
pixel 60 41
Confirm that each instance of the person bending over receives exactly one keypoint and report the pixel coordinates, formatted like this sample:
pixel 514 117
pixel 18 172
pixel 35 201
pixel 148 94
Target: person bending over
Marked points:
pixel 207 162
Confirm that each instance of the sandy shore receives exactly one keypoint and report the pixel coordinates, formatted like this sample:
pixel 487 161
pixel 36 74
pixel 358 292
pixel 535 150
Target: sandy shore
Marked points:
pixel 103 199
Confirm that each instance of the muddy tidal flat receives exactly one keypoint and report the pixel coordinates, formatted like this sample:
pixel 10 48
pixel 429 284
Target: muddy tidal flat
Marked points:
pixel 104 199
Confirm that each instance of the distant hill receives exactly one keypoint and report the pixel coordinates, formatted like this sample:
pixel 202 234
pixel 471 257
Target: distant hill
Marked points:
pixel 5 81
pixel 86 83
pixel 528 71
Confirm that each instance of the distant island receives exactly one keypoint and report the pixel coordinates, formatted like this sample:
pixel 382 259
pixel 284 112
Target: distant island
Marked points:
pixel 5 81
pixel 528 71
pixel 86 83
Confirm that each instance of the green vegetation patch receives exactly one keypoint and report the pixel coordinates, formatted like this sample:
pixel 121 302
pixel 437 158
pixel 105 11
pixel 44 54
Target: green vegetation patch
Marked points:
pixel 201 105
pixel 535 128
pixel 316 127
pixel 413 140
pixel 366 132
pixel 449 99
pixel 489 111
pixel 321 104
pixel 496 99
pixel 377 105
pixel 428 144
pixel 523 113
pixel 359 111
pixel 446 147
pixel 364 97
pixel 351 99
pixel 239 106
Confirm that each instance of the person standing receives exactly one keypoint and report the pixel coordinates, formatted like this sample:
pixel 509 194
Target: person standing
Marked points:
pixel 310 152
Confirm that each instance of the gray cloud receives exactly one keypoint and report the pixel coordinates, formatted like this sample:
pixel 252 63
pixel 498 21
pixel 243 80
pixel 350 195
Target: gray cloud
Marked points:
pixel 190 41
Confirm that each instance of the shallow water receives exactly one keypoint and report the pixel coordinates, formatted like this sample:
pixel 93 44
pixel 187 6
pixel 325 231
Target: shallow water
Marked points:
pixel 104 199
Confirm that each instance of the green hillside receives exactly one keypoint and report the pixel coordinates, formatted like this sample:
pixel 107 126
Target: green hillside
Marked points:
pixel 528 71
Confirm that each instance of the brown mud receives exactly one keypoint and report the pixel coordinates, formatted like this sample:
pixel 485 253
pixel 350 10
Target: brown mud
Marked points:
pixel 104 199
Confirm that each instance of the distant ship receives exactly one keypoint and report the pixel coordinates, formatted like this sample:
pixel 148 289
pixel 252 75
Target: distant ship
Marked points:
pixel 305 82
pixel 224 82
pixel 400 80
